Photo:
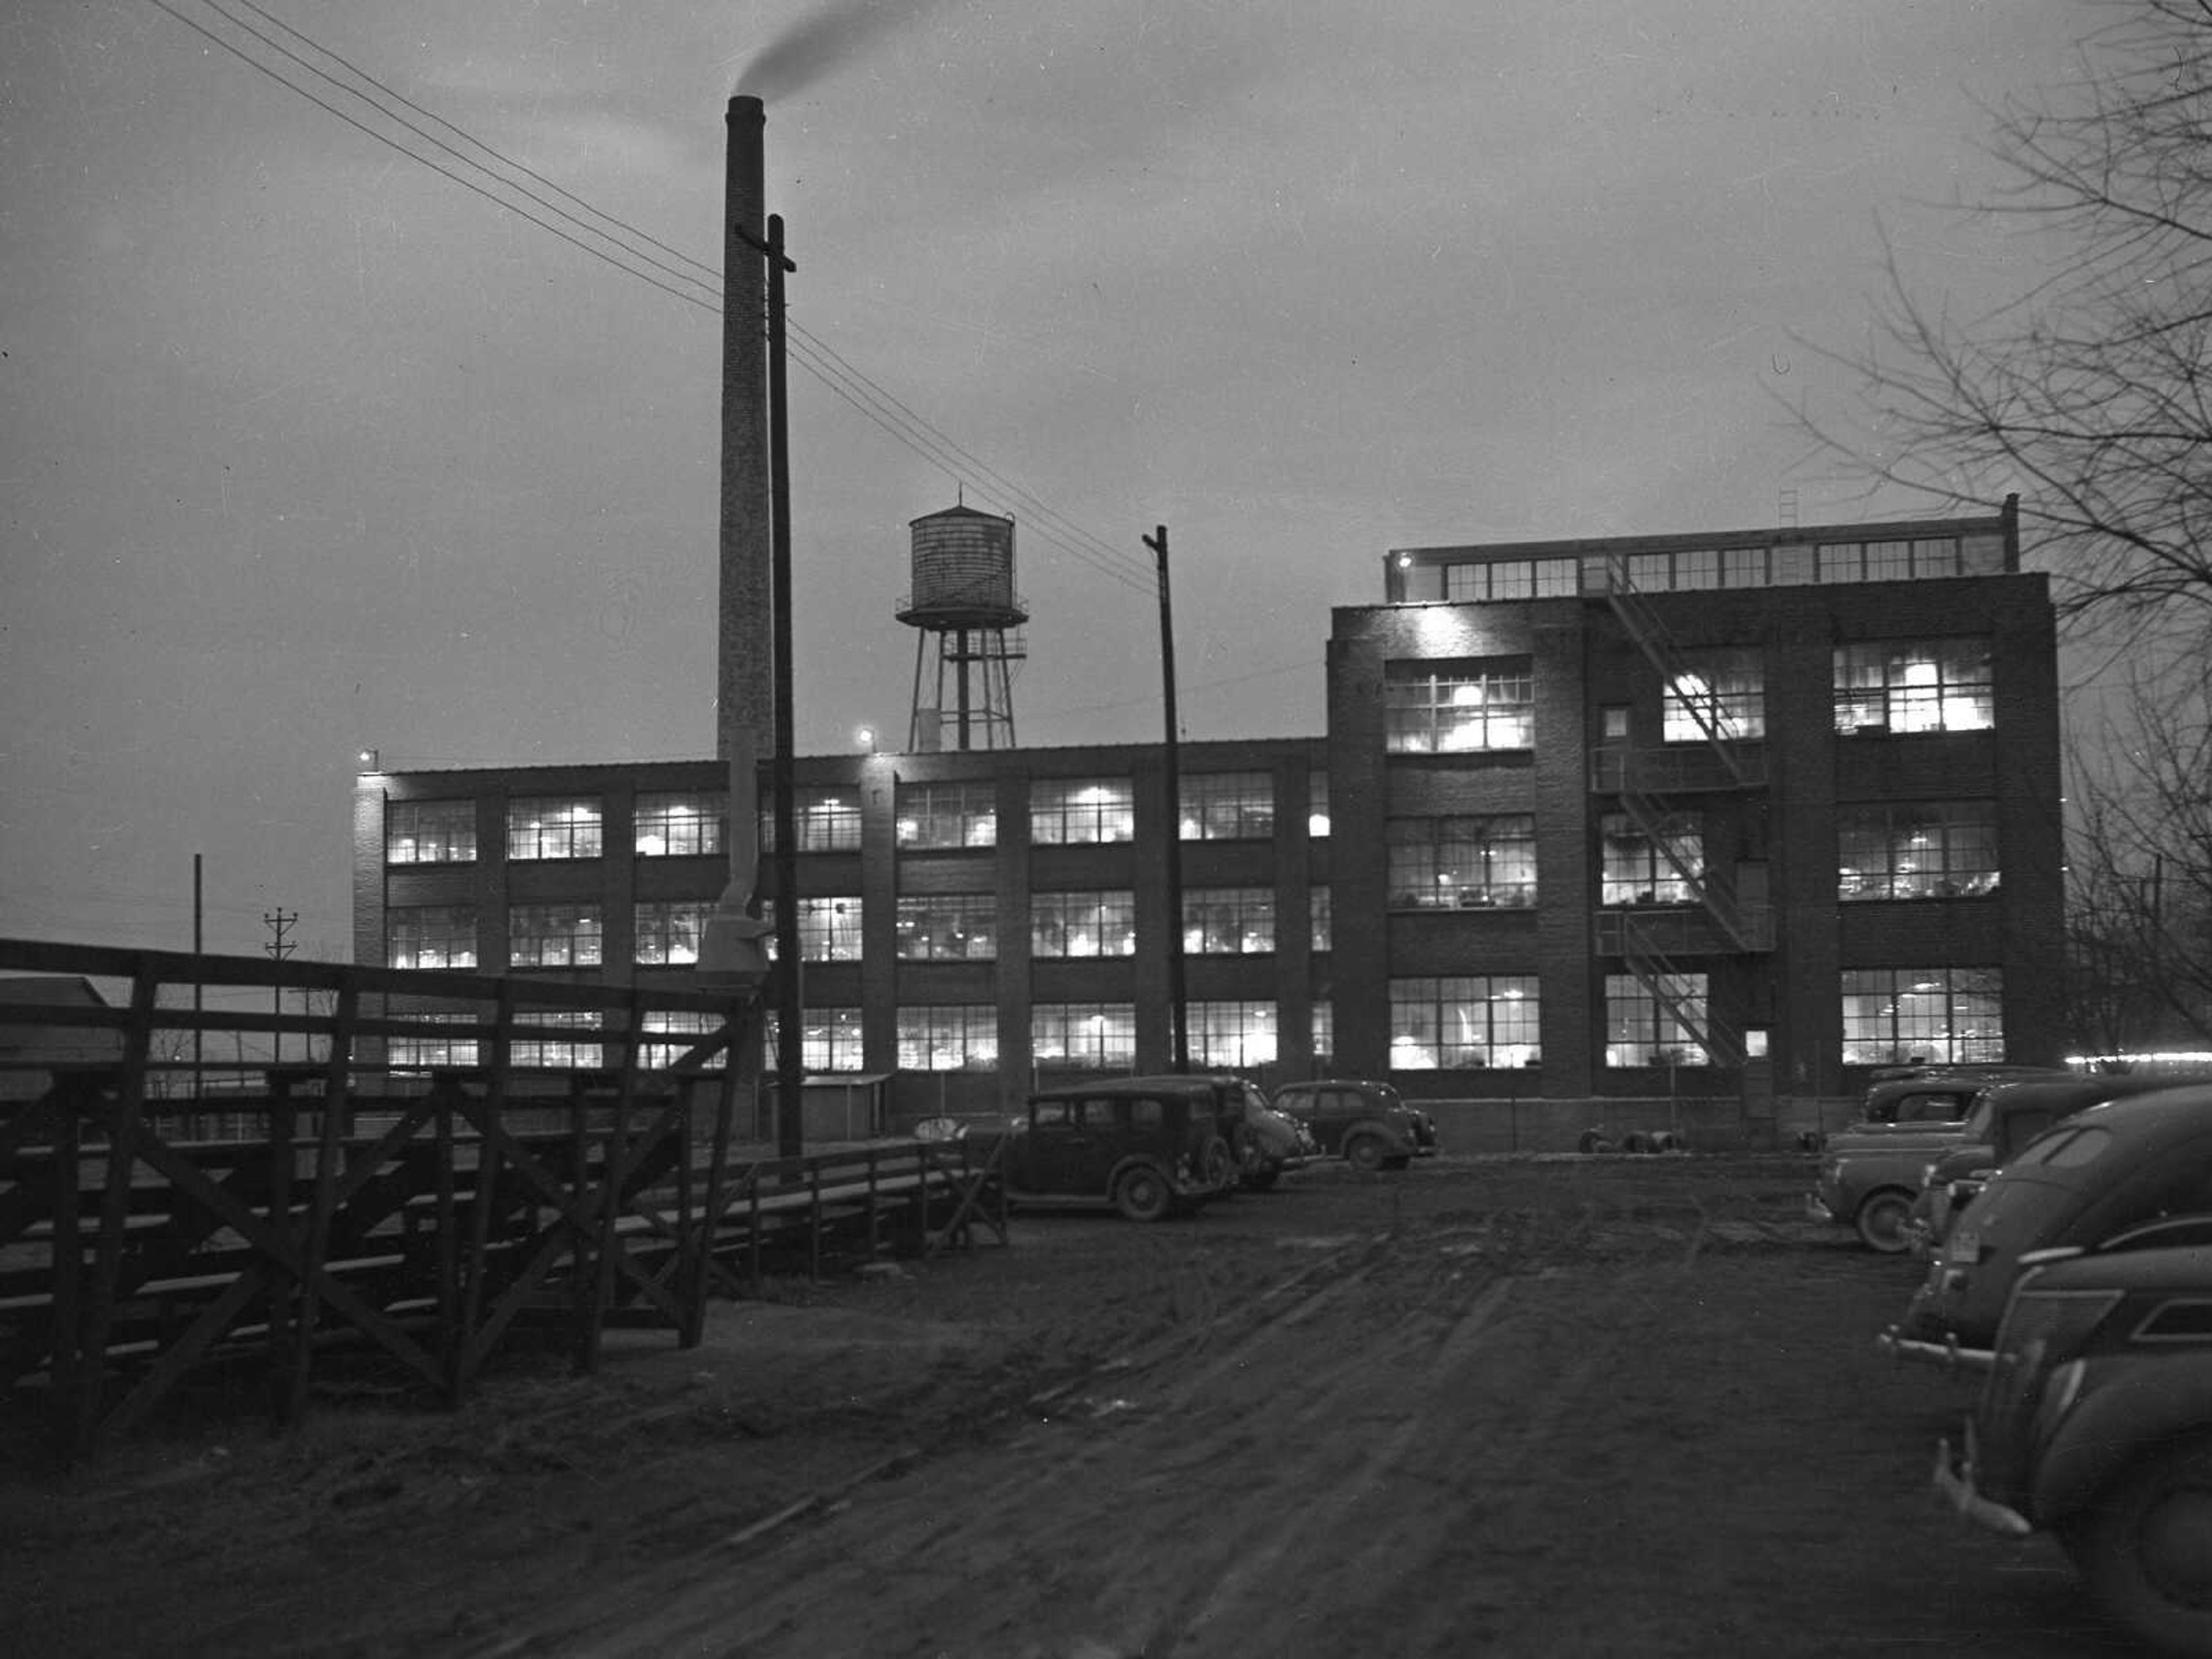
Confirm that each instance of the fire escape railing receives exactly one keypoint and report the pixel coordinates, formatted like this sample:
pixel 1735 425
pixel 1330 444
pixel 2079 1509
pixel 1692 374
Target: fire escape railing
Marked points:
pixel 1651 636
pixel 1744 928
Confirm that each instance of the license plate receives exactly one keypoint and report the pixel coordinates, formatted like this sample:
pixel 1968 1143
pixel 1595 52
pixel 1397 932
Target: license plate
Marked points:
pixel 1966 1249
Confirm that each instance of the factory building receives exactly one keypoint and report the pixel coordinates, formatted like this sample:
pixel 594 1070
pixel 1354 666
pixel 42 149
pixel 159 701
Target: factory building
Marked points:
pixel 1707 825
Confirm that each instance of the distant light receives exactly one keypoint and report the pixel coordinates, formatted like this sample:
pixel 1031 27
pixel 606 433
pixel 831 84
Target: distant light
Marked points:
pixel 865 737
pixel 367 760
pixel 1405 559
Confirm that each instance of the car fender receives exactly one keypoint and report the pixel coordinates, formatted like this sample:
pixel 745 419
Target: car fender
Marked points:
pixel 1397 1136
pixel 2114 1425
pixel 1143 1161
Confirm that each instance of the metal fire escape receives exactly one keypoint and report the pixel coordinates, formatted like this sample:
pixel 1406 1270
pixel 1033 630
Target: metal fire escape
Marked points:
pixel 1651 943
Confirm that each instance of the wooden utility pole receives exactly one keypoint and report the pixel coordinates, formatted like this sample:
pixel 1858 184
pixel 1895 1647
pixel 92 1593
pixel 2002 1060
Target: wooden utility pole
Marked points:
pixel 790 1004
pixel 279 922
pixel 1178 1026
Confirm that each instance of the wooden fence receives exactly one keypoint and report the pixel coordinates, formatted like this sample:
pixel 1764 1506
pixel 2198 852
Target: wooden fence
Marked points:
pixel 430 1212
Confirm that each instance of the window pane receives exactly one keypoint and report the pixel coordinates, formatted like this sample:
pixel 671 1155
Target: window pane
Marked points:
pixel 1100 924
pixel 1655 1023
pixel 1917 850
pixel 948 815
pixel 830 928
pixel 1231 1034
pixel 1229 920
pixel 668 933
pixel 1467 706
pixel 1898 1016
pixel 1073 812
pixel 1914 686
pixel 1637 868
pixel 948 1037
pixel 1228 806
pixel 551 829
pixel 1719 693
pixel 553 936
pixel 1463 1022
pixel 687 824
pixel 1084 1036
pixel 430 936
pixel 430 832
pixel 948 927
pixel 1461 863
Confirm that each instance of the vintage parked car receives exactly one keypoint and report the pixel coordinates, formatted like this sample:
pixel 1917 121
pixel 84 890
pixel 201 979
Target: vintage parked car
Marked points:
pixel 1868 1177
pixel 2095 1425
pixel 2006 1116
pixel 1367 1123
pixel 2122 1171
pixel 1150 1147
pixel 1266 1142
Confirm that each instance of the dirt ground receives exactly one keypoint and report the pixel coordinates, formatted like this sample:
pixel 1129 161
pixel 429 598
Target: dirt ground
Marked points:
pixel 1556 1407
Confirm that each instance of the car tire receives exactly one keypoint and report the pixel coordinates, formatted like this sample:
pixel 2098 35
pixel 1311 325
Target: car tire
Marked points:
pixel 1365 1153
pixel 2139 1547
pixel 1143 1194
pixel 1262 1180
pixel 1880 1220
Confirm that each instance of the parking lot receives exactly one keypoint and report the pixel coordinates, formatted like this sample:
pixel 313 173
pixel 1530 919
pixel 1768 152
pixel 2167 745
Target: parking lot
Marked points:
pixel 1606 1406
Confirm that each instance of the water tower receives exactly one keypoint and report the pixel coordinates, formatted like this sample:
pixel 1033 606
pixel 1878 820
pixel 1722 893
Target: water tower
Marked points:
pixel 970 631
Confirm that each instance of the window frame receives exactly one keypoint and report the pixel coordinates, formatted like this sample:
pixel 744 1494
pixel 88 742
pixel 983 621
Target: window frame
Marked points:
pixel 1965 839
pixel 449 841
pixel 1419 695
pixel 1060 817
pixel 1211 914
pixel 1227 806
pixel 460 926
pixel 943 816
pixel 536 932
pixel 536 833
pixel 683 824
pixel 923 918
pixel 1508 1007
pixel 1112 910
pixel 1420 876
pixel 1114 1044
pixel 1661 1039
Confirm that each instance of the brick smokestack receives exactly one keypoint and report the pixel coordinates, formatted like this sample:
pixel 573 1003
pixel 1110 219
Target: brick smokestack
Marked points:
pixel 745 683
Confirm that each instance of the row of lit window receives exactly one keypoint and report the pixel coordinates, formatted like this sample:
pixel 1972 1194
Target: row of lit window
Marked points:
pixel 934 927
pixel 1456 1023
pixel 1902 850
pixel 1887 686
pixel 1217 806
pixel 1791 565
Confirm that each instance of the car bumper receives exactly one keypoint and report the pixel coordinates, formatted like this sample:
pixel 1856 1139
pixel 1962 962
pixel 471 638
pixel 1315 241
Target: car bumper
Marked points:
pixel 1954 1483
pixel 1816 1210
pixel 1947 1354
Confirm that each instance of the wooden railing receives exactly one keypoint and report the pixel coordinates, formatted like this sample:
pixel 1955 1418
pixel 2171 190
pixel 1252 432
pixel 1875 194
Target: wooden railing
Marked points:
pixel 426 1211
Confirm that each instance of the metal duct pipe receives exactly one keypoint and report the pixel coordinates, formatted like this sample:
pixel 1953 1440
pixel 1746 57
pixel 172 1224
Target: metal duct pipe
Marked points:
pixel 745 689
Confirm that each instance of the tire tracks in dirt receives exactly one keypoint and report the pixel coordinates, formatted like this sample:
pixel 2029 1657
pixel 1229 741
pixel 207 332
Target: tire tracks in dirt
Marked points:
pixel 1278 1494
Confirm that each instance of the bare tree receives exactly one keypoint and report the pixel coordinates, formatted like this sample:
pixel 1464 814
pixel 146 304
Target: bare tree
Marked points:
pixel 2140 929
pixel 2087 393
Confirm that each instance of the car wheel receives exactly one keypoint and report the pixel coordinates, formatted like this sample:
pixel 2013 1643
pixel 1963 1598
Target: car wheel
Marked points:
pixel 1261 1180
pixel 1363 1151
pixel 1880 1220
pixel 1144 1195
pixel 1219 1166
pixel 2144 1547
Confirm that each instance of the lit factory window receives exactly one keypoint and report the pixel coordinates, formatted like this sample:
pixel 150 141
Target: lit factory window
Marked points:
pixel 430 832
pixel 669 824
pixel 1229 920
pixel 944 815
pixel 1083 924
pixel 1914 686
pixel 1073 810
pixel 563 829
pixel 1084 1036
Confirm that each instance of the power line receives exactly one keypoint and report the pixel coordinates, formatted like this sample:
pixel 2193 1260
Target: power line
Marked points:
pixel 835 372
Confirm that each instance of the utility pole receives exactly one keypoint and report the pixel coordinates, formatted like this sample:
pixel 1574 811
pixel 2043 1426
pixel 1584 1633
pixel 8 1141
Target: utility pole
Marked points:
pixel 199 980
pixel 1178 1026
pixel 790 1006
pixel 279 922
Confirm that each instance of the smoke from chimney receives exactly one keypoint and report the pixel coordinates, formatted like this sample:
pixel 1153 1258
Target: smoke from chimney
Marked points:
pixel 810 49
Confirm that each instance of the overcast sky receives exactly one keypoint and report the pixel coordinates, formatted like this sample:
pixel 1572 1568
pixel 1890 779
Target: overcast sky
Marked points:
pixel 308 449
